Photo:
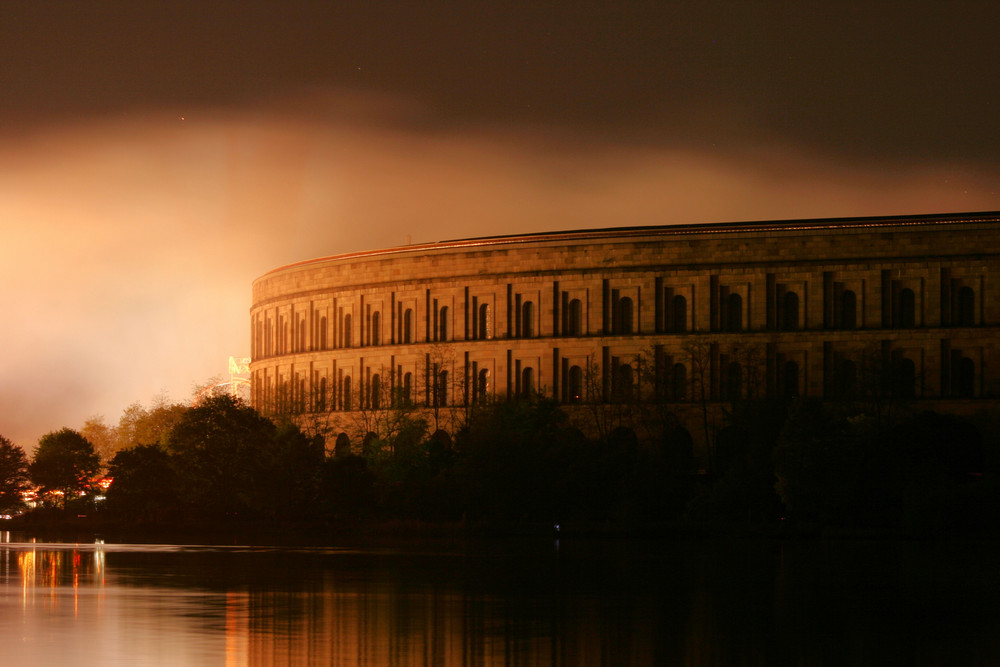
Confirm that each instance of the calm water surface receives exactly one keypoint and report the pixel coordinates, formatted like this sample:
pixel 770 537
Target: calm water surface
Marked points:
pixel 501 603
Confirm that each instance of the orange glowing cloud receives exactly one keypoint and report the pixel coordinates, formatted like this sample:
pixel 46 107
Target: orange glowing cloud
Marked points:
pixel 130 243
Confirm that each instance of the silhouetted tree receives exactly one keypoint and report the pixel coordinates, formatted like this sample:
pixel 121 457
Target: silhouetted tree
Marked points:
pixel 65 462
pixel 13 476
pixel 832 470
pixel 511 456
pixel 219 446
pixel 145 486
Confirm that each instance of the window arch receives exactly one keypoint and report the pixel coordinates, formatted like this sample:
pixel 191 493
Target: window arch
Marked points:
pixel 966 316
pixel 907 308
pixel 624 316
pixel 679 305
pixel 485 323
pixel 407 326
pixel 679 382
pixel 346 393
pixel 407 389
pixel 443 323
pixel 528 381
pixel 734 313
pixel 483 385
pixel 441 389
pixel 527 319
pixel 575 317
pixel 376 392
pixel 848 310
pixel 790 311
pixel 965 378
pixel 575 384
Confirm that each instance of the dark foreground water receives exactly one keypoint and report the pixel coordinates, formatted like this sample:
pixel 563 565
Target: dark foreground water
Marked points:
pixel 501 603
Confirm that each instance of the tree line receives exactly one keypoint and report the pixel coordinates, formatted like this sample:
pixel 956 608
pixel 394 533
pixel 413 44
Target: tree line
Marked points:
pixel 790 464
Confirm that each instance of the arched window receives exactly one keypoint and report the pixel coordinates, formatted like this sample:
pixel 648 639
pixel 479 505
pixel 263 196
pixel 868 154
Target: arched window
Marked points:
pixel 376 328
pixel 966 307
pixel 347 330
pixel 575 384
pixel 302 336
pixel 527 319
pixel 734 381
pixel 624 316
pixel 483 385
pixel 485 324
pixel 734 313
pixel 907 309
pixel 321 398
pixel 848 310
pixel 904 378
pixel 621 386
pixel 680 313
pixel 443 323
pixel 790 379
pixel 965 377
pixel 575 322
pixel 679 382
pixel 407 389
pixel 441 389
pixel 322 333
pixel 376 392
pixel 846 380
pixel 528 382
pixel 342 446
pixel 408 326
pixel 346 394
pixel 790 314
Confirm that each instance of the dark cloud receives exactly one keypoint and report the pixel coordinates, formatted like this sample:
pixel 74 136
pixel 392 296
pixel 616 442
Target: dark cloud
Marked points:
pixel 892 81
pixel 155 158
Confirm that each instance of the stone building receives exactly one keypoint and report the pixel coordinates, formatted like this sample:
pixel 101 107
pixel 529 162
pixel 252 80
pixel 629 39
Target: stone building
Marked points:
pixel 784 308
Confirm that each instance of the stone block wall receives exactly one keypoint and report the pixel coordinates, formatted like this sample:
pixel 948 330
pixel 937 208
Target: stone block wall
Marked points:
pixel 804 307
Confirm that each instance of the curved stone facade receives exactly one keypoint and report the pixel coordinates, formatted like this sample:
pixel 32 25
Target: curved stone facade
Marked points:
pixel 626 314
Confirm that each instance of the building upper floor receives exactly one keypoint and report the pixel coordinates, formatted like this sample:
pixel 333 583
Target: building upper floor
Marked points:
pixel 913 272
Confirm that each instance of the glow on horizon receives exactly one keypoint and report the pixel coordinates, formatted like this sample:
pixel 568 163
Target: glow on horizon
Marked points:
pixel 130 243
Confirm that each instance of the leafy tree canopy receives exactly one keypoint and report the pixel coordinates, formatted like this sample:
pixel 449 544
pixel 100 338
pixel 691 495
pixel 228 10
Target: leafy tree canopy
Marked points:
pixel 13 476
pixel 64 461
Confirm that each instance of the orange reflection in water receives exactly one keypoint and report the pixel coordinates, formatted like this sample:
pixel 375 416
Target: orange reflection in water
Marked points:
pixel 49 569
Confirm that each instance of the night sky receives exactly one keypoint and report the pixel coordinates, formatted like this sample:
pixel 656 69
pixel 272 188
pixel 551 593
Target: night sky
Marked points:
pixel 155 157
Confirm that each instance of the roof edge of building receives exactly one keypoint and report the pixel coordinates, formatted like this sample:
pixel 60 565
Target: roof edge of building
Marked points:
pixel 663 230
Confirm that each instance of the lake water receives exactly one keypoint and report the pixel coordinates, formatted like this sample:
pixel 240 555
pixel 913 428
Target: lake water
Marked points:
pixel 542 602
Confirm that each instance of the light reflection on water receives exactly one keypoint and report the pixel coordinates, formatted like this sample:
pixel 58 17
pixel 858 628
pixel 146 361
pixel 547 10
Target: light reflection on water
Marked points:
pixel 585 603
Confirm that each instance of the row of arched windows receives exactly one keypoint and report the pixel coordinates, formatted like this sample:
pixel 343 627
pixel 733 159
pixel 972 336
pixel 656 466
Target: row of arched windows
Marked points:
pixel 675 385
pixel 284 335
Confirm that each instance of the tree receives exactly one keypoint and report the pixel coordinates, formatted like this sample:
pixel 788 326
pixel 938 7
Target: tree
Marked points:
pixel 13 476
pixel 145 484
pixel 141 426
pixel 218 445
pixel 103 437
pixel 65 462
pixel 698 353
